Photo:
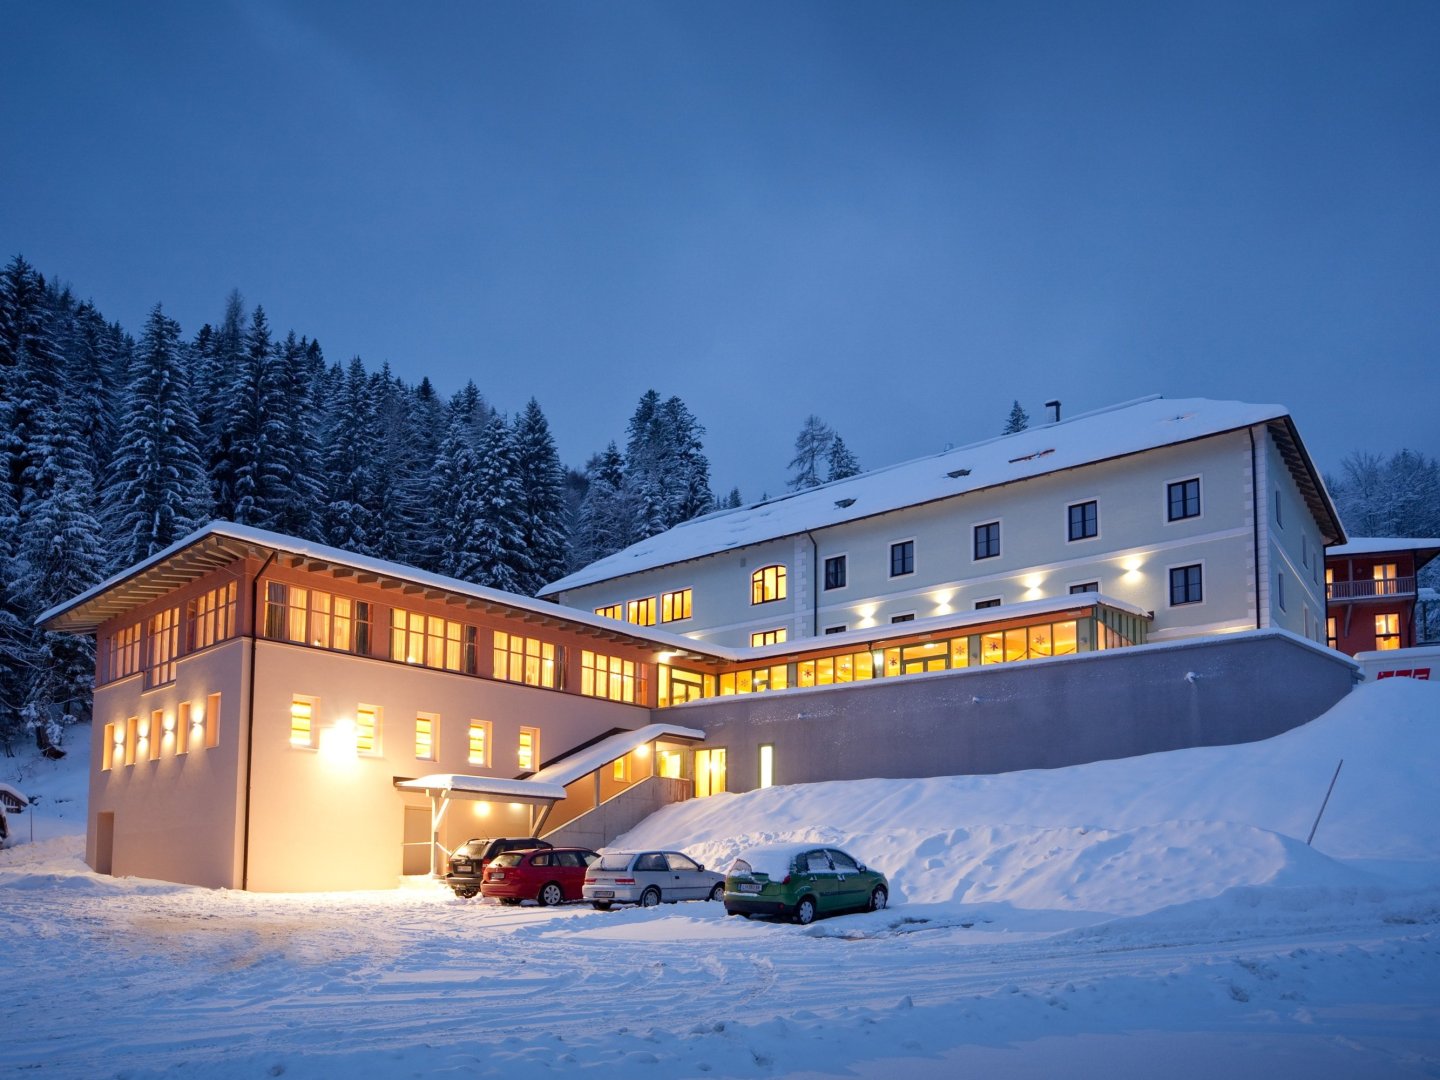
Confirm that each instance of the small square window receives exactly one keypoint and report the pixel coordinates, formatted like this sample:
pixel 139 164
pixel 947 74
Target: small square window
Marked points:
pixel 994 601
pixel 1084 520
pixel 1086 586
pixel 908 617
pixel 835 572
pixel 1185 585
pixel 1183 499
pixel 987 540
pixel 902 558
pixel 835 629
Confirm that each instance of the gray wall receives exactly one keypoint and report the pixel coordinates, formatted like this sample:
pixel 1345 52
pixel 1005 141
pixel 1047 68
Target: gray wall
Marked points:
pixel 1029 715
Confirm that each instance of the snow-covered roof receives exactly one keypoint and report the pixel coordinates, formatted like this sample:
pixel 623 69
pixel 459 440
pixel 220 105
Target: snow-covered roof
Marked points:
pixel 221 543
pixel 499 786
pixel 583 762
pixel 13 795
pixel 1113 432
pixel 773 860
pixel 1375 545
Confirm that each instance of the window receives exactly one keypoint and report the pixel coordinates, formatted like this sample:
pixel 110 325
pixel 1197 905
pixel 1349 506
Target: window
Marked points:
pixel 1387 632
pixel 620 770
pixel 1305 550
pixel 122 654
pixel 1331 634
pixel 994 601
pixel 155 733
pixel 766 584
pixel 525 660
pixel 432 641
pixel 1386 580
pixel 1084 520
pixel 132 736
pixel 709 772
pixel 767 637
pixel 612 611
pixel 1185 585
pixel 212 721
pixel 675 606
pixel 835 629
pixel 987 540
pixel 480 742
pixel 163 632
pixel 607 677
pixel 1329 583
pixel 1279 517
pixel 184 721
pixel 302 721
pixel 212 616
pixel 528 756
pixel 426 728
pixel 367 729
pixel 827 670
pixel 902 558
pixel 641 612
pixel 835 572
pixel 1183 499
pixel 321 619
pixel 107 748
pixel 1085 586
pixel 907 617
pixel 767 764
pixel 1280 589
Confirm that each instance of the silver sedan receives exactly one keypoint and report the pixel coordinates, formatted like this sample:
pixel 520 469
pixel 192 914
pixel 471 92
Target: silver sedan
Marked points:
pixel 648 878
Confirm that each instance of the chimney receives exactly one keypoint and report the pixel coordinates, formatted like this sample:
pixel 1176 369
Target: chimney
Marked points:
pixel 1056 406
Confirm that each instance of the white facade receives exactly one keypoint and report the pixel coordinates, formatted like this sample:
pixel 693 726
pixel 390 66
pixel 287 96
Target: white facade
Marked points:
pixel 1246 537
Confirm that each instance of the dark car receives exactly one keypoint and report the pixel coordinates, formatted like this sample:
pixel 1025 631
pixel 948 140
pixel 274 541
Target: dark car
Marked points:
pixel 468 861
pixel 549 876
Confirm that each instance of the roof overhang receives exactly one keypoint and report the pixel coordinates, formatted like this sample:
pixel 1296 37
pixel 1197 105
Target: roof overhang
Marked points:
pixel 461 786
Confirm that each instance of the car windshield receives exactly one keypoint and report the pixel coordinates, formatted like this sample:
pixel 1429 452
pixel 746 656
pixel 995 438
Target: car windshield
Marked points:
pixel 473 849
pixel 508 858
pixel 615 860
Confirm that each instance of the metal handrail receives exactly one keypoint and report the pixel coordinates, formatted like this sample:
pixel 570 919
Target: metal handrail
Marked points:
pixel 1366 588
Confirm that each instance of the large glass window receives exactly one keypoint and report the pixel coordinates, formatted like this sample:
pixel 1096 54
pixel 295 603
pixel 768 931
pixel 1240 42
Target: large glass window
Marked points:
pixel 1084 520
pixel 678 686
pixel 525 660
pixel 767 583
pixel 607 676
pixel 212 616
pixel 987 540
pixel 163 640
pixel 828 670
pixel 675 606
pixel 1185 585
pixel 902 558
pixel 1386 580
pixel 432 641
pixel 1183 499
pixel 122 653
pixel 1387 632
pixel 767 637
pixel 835 572
pixel 612 611
pixel 321 619
pixel 709 772
pixel 641 612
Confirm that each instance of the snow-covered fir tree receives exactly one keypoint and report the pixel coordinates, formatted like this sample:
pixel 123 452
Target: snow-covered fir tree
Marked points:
pixel 258 429
pixel 350 457
pixel 812 446
pixel 542 501
pixel 1019 420
pixel 498 534
pixel 603 523
pixel 157 476
pixel 221 360
pixel 840 461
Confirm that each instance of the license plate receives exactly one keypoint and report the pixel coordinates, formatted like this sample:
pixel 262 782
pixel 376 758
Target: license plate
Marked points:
pixel 750 888
pixel 497 875
pixel 602 892
pixel 461 867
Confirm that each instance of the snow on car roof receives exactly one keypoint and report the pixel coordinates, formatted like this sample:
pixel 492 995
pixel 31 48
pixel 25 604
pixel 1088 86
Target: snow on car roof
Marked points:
pixel 773 860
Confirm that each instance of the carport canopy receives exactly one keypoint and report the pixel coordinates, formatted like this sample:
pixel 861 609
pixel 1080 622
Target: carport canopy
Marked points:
pixel 443 787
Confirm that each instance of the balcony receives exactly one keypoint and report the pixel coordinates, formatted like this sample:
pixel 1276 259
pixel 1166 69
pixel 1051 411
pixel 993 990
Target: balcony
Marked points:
pixel 1370 589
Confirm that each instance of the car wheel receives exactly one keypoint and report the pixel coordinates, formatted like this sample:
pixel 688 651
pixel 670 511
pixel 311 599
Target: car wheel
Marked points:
pixel 650 897
pixel 718 892
pixel 465 893
pixel 550 895
pixel 879 898
pixel 805 911
pixel 601 905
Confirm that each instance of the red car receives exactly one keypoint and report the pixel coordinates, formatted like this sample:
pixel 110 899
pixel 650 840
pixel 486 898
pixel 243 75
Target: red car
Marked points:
pixel 548 876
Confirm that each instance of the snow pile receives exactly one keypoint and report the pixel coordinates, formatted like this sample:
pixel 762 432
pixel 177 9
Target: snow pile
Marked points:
pixel 1122 837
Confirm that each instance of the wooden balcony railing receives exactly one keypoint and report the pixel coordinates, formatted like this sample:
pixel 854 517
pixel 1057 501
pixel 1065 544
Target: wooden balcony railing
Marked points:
pixel 1366 589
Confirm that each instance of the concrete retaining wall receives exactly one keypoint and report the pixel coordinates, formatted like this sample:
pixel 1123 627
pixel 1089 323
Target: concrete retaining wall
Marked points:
pixel 596 828
pixel 1039 714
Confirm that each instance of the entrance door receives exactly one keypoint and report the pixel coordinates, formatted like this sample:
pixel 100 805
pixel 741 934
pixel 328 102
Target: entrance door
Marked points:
pixel 709 772
pixel 105 842
pixel 417 849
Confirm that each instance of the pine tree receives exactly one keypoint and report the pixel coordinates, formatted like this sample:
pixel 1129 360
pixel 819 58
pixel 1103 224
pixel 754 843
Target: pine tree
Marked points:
pixel 157 475
pixel 603 523
pixel 686 464
pixel 14 636
pixel 298 496
pixel 219 390
pixel 841 461
pixel 258 431
pixel 812 446
pixel 457 504
pixel 542 502
pixel 498 534
pixel 732 501
pixel 1019 420
pixel 350 451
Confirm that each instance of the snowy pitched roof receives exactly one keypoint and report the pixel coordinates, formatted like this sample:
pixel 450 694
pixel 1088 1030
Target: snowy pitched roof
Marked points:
pixel 1425 548
pixel 222 543
pixel 1113 432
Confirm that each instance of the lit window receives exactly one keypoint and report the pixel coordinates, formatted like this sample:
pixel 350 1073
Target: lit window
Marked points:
pixel 156 733
pixel 320 619
pixel 641 612
pixel 367 729
pixel 766 584
pixel 1386 581
pixel 607 676
pixel 620 770
pixel 163 632
pixel 212 616
pixel 669 763
pixel 1185 586
pixel 432 641
pixel 1183 499
pixel 767 637
pixel 612 611
pixel 212 721
pixel 529 750
pixel 302 721
pixel 479 742
pixel 1084 520
pixel 1387 632
pixel 132 737
pixel 1331 634
pixel 675 606
pixel 767 765
pixel 123 653
pixel 987 540
pixel 902 558
pixel 107 760
pixel 425 731
pixel 709 772
pixel 525 660
pixel 835 572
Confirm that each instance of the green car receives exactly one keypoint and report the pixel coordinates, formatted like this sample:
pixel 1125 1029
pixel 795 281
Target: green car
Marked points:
pixel 802 881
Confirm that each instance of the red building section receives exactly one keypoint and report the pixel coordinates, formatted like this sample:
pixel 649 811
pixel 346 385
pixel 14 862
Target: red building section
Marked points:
pixel 1370 592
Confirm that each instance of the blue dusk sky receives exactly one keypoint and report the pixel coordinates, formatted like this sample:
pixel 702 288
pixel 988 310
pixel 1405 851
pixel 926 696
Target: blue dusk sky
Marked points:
pixel 898 216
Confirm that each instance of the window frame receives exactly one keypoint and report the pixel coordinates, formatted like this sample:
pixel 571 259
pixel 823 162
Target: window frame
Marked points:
pixel 908 557
pixel 1080 588
pixel 1198 480
pixel 975 555
pixel 780 583
pixel 1093 521
pixel 781 634
pixel 843 560
pixel 667 606
pixel 987 602
pixel 1170 572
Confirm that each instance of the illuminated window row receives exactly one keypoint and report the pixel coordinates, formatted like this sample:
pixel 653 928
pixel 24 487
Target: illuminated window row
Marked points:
pixel 305 734
pixel 608 676
pixel 313 617
pixel 432 641
pixel 672 607
pixel 193 725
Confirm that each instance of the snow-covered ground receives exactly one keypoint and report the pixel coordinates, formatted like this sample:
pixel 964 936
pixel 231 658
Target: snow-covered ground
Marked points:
pixel 1161 916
